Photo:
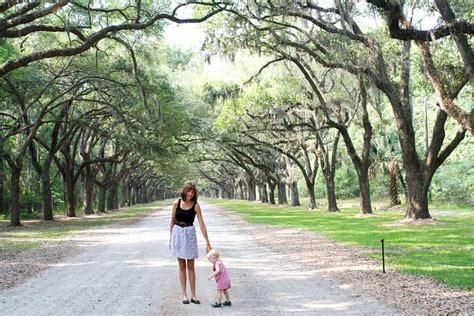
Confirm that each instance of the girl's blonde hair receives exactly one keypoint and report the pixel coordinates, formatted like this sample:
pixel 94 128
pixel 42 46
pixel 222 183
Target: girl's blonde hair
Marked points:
pixel 212 252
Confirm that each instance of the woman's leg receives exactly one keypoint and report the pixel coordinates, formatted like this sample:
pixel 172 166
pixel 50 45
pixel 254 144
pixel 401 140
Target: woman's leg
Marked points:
pixel 192 278
pixel 182 277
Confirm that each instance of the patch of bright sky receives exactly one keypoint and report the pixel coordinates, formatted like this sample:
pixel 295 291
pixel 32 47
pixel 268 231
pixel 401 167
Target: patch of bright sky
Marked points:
pixel 191 37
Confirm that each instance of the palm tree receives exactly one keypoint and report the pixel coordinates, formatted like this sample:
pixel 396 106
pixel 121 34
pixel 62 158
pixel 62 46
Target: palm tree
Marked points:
pixel 385 157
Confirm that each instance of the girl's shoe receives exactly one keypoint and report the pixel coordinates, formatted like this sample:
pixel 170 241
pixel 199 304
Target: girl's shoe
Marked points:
pixel 216 304
pixel 227 303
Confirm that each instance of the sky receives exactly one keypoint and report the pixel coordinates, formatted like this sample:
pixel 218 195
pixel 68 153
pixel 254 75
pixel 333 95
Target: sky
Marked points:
pixel 187 36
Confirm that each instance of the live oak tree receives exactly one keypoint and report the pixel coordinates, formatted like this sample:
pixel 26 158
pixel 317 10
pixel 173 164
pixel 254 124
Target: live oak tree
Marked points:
pixel 331 37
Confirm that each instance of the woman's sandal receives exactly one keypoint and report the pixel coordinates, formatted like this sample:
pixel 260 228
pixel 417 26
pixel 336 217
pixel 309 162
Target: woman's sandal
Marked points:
pixel 227 303
pixel 216 304
pixel 185 301
pixel 195 301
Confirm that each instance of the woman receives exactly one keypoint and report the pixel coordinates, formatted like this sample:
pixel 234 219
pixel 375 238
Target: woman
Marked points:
pixel 183 241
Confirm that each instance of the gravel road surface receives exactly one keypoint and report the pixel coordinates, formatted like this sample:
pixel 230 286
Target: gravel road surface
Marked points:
pixel 129 271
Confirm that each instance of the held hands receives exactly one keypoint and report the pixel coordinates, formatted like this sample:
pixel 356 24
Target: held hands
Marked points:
pixel 208 248
pixel 210 277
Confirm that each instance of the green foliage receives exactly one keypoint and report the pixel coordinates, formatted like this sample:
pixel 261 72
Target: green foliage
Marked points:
pixel 7 51
pixel 454 190
pixel 346 183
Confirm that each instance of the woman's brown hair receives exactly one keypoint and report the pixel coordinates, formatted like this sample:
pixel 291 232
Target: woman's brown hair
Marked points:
pixel 189 187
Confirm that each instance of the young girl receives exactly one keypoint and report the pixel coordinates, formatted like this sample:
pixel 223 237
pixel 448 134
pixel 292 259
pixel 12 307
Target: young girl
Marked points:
pixel 222 278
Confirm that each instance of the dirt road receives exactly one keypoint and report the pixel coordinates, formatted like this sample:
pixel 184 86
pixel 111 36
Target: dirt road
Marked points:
pixel 129 272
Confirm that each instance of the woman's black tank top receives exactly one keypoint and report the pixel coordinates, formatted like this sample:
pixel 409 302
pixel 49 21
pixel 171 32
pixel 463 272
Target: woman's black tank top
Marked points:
pixel 186 216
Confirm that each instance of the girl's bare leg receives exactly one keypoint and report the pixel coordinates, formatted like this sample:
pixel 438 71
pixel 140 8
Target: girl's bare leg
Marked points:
pixel 192 278
pixel 227 296
pixel 219 296
pixel 182 277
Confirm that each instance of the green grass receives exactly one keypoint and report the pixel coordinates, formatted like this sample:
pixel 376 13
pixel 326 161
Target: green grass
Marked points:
pixel 444 251
pixel 35 232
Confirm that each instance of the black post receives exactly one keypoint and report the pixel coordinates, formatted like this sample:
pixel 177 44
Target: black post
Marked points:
pixel 383 256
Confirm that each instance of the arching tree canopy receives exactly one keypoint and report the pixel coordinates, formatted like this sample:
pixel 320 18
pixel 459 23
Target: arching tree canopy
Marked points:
pixel 99 111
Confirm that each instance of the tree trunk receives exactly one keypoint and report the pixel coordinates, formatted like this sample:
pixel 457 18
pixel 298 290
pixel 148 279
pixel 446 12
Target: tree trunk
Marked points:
pixel 47 195
pixel 264 193
pixel 111 198
pixel 417 195
pixel 15 196
pixel 69 183
pixel 242 192
pixel 271 187
pixel 102 196
pixel 282 193
pixel 312 196
pixel 364 194
pixel 129 194
pixel 133 197
pixel 295 195
pixel 232 193
pixel 115 205
pixel 331 193
pixel 3 208
pixel 70 197
pixel 136 195
pixel 145 195
pixel 88 196
pixel 251 194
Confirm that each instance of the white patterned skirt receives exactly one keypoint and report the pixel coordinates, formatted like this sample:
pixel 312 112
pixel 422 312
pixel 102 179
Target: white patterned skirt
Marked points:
pixel 184 242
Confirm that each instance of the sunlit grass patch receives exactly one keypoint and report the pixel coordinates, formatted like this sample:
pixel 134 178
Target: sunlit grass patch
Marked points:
pixel 443 249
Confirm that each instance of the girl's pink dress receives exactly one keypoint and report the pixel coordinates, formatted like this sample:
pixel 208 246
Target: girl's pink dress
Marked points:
pixel 222 279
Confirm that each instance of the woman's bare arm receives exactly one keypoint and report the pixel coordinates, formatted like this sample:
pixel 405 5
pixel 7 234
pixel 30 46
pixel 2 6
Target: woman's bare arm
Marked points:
pixel 203 227
pixel 173 215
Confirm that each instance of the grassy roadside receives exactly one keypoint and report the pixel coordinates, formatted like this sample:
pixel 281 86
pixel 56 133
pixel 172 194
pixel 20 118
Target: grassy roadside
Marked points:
pixel 444 251
pixel 34 233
